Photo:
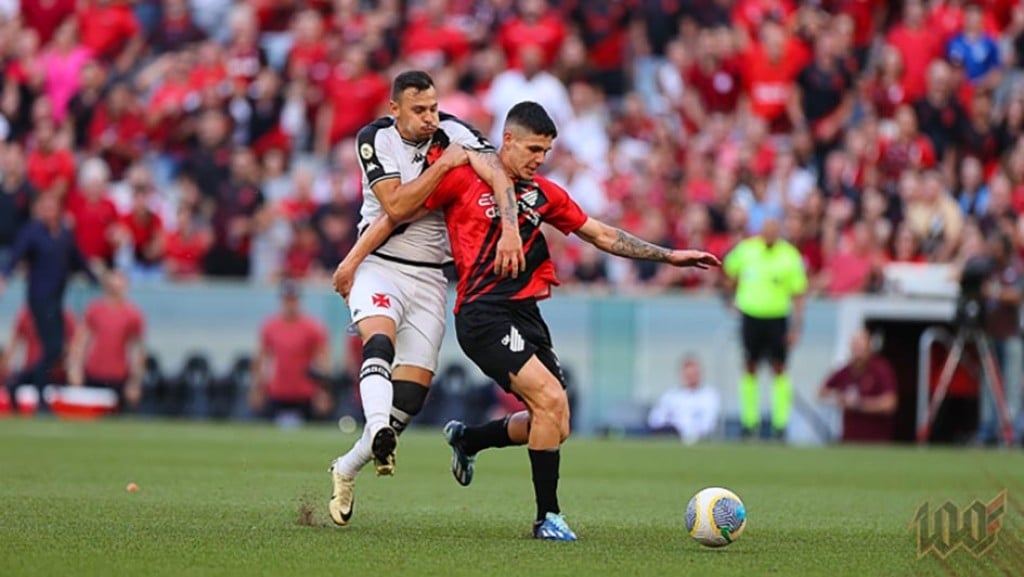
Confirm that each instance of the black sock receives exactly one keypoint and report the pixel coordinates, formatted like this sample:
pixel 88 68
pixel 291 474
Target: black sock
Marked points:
pixel 486 436
pixel 545 481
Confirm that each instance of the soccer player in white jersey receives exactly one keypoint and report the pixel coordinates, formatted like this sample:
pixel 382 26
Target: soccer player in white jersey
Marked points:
pixel 398 294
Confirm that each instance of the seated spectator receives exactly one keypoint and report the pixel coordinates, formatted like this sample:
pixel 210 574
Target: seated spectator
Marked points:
pixel 690 410
pixel 865 389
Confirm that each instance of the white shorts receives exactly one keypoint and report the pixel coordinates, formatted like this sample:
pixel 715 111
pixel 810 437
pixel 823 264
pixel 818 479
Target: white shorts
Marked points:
pixel 416 298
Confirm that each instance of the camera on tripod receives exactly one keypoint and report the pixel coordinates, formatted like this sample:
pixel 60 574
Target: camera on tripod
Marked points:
pixel 970 304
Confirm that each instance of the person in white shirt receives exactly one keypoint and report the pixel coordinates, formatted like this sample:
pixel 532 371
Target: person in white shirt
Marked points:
pixel 691 409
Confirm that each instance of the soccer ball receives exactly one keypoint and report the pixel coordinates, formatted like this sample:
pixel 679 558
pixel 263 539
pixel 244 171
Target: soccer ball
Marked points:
pixel 715 517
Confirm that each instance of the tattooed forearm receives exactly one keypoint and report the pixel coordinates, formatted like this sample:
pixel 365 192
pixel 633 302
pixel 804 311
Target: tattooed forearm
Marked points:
pixel 630 246
pixel 506 199
pixel 509 214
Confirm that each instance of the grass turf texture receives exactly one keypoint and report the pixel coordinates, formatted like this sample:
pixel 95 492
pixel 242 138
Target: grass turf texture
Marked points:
pixel 251 500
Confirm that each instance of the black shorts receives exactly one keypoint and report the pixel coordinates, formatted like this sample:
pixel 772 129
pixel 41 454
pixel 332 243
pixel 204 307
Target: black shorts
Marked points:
pixel 765 339
pixel 501 337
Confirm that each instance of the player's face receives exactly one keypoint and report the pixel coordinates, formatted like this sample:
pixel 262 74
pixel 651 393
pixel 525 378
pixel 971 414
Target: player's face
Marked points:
pixel 526 152
pixel 416 114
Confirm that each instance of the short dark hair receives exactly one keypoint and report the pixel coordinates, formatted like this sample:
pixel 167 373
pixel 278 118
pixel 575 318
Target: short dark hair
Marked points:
pixel 532 117
pixel 418 80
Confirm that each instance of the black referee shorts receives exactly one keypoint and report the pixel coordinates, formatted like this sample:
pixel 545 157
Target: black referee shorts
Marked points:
pixel 765 339
pixel 501 337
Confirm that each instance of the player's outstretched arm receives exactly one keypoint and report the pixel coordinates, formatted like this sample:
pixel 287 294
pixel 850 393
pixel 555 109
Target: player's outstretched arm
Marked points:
pixel 510 260
pixel 374 236
pixel 619 242
pixel 401 201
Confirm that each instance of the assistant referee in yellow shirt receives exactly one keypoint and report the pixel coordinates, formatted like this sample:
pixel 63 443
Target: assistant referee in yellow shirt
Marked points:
pixel 768 276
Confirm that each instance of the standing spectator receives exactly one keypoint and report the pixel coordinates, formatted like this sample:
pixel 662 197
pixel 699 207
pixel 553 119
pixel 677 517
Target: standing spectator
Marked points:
pixel 975 51
pixel 865 389
pixel 431 39
pixel 771 67
pixel 16 196
pixel 1002 325
pixel 690 410
pixel 109 351
pixel 49 250
pixel 83 104
pixel 111 32
pixel 93 212
pixel 236 216
pixel 186 248
pixel 293 345
pixel 886 87
pixel 941 117
pixel 45 16
pixel 536 23
pixel 142 228
pixel 63 62
pixel 767 274
pixel 530 82
pixel 936 218
pixel 823 100
pixel 355 93
pixel 209 164
pixel 117 132
pixel 973 196
pixel 50 167
pixel 918 46
pixel 176 29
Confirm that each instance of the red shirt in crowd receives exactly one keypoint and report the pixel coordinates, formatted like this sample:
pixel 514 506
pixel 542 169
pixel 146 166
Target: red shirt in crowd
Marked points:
pixel 144 228
pixel 870 380
pixel 718 87
pixel 293 344
pixel 355 102
pixel 107 28
pixel 918 48
pixel 470 209
pixel 45 16
pixel 547 32
pixel 427 44
pixel 769 83
pixel 45 169
pixel 184 253
pixel 93 220
pixel 114 326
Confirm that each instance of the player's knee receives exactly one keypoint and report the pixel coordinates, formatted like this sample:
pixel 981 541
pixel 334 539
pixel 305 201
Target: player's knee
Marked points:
pixel 564 429
pixel 379 346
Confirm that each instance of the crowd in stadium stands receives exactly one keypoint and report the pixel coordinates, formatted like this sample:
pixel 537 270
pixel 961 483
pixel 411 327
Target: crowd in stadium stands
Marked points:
pixel 214 138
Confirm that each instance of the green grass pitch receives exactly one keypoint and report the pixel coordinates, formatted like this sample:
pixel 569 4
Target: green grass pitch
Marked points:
pixel 229 500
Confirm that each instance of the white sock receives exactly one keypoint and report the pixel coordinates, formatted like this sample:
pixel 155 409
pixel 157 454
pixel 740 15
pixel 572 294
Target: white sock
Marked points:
pixel 377 393
pixel 357 457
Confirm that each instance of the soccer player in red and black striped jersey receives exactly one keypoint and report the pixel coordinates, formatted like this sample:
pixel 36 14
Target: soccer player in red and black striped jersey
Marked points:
pixel 497 320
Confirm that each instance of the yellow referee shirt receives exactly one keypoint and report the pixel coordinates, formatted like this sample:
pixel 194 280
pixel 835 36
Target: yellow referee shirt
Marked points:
pixel 767 279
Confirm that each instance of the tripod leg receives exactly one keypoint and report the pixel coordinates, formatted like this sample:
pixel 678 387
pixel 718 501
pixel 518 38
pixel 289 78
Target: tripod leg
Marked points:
pixel 952 361
pixel 993 379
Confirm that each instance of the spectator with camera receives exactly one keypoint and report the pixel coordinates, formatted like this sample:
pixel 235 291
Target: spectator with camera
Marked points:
pixel 1003 289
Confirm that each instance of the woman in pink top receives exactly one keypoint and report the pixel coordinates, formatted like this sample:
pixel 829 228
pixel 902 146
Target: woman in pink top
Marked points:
pixel 63 61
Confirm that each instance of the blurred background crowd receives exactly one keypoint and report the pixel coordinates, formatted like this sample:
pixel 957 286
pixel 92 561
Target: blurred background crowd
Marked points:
pixel 214 138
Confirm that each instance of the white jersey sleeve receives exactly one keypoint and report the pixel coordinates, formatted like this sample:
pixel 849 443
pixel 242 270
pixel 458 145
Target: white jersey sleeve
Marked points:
pixel 461 133
pixel 378 159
